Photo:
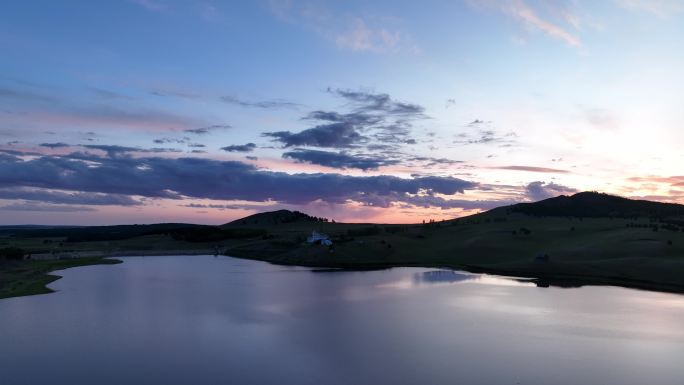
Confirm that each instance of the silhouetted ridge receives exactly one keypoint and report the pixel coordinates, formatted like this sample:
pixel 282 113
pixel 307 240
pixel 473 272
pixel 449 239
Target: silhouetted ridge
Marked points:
pixel 276 217
pixel 595 205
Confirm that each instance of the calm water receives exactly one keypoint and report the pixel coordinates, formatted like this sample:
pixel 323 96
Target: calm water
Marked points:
pixel 207 320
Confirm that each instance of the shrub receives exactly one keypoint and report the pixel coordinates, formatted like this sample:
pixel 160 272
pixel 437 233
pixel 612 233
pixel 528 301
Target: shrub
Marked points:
pixel 13 253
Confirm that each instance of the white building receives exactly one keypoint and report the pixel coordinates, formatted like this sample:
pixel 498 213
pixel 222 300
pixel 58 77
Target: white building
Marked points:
pixel 321 238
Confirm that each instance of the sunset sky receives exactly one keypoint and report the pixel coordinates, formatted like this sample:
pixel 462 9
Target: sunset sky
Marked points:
pixel 144 111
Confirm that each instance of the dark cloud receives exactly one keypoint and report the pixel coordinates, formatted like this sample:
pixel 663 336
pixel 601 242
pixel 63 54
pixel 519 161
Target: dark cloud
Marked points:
pixel 367 101
pixel 337 159
pixel 55 145
pixel 427 161
pixel 44 208
pixel 373 119
pixel 407 201
pixel 156 177
pixel 208 129
pixel 172 140
pixel 115 150
pixel 538 190
pixel 533 169
pixel 264 104
pixel 333 135
pixel 61 197
pixel 21 95
pixel 353 118
pixel 249 147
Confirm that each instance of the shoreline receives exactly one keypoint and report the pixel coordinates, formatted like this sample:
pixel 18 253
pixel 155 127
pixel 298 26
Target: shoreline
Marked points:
pixel 31 277
pixel 36 274
pixel 541 279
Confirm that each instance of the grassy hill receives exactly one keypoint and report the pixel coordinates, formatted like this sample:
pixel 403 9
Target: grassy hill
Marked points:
pixel 597 205
pixel 587 238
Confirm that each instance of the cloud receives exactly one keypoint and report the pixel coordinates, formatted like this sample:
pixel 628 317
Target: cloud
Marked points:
pixel 374 118
pixel 487 137
pixel 338 159
pixel 109 116
pixel 249 147
pixel 661 8
pixel 334 135
pixel 156 177
pixel 358 36
pixel 538 190
pixel 61 197
pixel 532 169
pixel 171 140
pixel 44 208
pixel 264 104
pixel 55 145
pixel 115 150
pixel 520 11
pixel 372 102
pixel 426 201
pixel 208 129
pixel 485 134
pixel 357 33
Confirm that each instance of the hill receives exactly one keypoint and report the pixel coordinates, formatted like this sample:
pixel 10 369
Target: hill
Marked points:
pixel 596 205
pixel 275 218
pixel 586 238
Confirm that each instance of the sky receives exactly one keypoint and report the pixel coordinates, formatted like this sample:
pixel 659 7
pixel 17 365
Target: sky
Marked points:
pixel 146 111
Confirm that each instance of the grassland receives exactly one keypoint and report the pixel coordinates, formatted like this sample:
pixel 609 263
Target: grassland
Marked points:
pixel 586 251
pixel 640 251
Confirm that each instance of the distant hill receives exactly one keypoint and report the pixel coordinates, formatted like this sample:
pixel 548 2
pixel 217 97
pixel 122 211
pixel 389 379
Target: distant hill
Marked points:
pixel 274 218
pixel 97 233
pixel 596 205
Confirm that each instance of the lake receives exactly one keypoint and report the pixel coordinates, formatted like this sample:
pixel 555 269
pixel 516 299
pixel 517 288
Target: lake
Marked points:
pixel 220 320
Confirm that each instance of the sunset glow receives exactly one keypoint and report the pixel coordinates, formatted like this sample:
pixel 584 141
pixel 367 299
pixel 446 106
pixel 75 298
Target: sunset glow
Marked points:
pixel 355 111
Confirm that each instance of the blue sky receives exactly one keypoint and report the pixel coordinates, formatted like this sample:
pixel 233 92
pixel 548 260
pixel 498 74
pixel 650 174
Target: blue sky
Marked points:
pixel 205 111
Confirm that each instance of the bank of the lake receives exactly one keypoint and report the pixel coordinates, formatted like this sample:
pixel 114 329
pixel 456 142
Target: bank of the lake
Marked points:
pixel 31 277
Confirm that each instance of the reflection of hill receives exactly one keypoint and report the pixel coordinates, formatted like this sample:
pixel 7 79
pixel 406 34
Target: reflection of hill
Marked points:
pixel 441 276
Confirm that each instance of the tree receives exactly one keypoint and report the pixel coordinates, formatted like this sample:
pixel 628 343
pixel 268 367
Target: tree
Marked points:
pixel 13 253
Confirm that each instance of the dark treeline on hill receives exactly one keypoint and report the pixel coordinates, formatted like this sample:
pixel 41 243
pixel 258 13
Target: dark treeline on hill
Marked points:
pixel 101 233
pixel 277 217
pixel 178 231
pixel 597 205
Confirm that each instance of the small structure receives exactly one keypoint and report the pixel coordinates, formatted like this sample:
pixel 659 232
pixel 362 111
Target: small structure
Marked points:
pixel 542 257
pixel 321 238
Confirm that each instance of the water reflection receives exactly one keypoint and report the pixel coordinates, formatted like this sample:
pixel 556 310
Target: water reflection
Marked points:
pixel 450 277
pixel 205 320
